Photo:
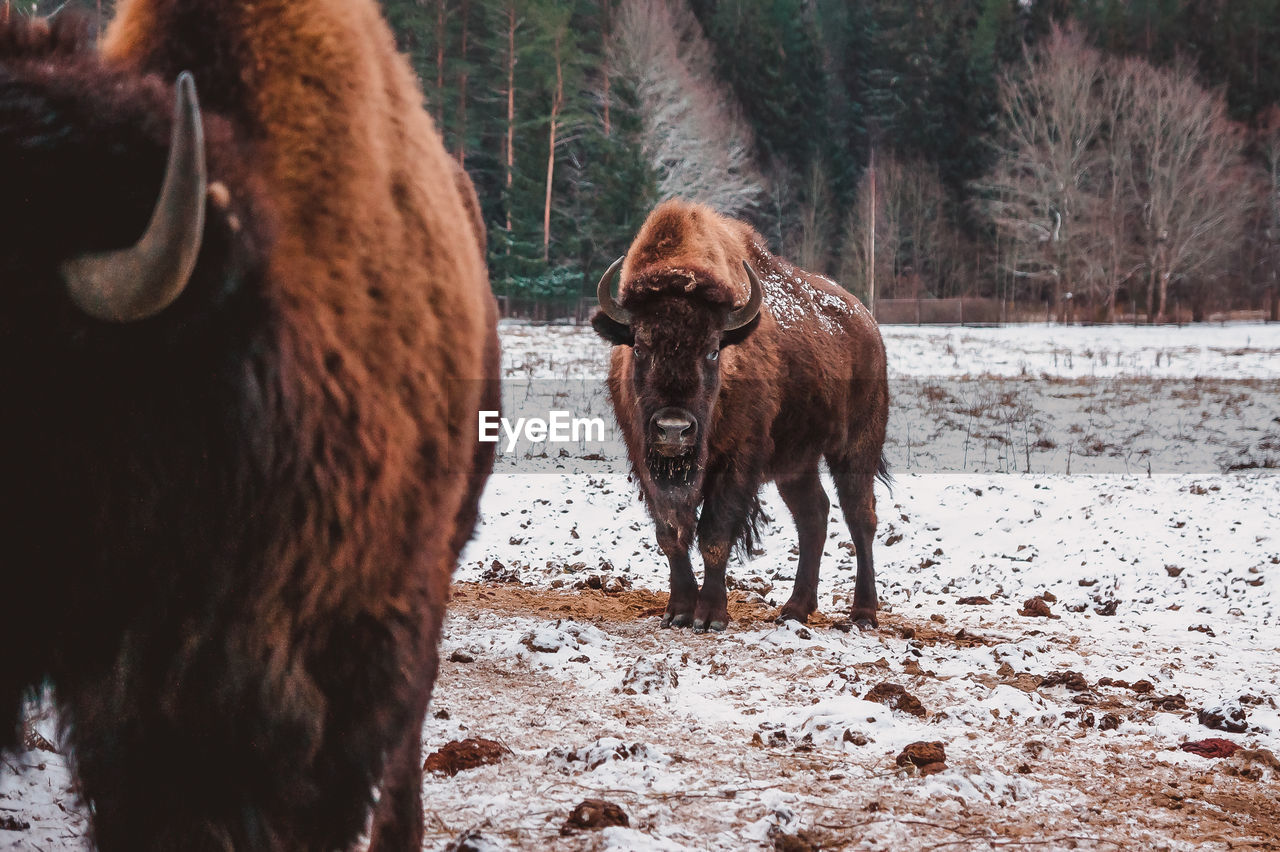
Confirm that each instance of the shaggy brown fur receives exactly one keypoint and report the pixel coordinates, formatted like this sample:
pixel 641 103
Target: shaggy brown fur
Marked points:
pixel 806 381
pixel 249 506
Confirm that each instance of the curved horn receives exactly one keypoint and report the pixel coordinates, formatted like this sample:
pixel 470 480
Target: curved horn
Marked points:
pixel 142 280
pixel 604 292
pixel 747 312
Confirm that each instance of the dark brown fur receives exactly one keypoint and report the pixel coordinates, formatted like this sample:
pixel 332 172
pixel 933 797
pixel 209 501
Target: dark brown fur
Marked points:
pixel 808 382
pixel 230 529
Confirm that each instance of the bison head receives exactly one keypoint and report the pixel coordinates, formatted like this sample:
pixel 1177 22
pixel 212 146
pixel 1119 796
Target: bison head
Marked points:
pixel 676 336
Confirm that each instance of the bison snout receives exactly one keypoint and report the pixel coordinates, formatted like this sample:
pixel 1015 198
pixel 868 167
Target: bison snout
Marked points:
pixel 673 430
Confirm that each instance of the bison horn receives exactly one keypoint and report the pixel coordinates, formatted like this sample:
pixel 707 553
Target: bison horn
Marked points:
pixel 140 281
pixel 604 292
pixel 747 312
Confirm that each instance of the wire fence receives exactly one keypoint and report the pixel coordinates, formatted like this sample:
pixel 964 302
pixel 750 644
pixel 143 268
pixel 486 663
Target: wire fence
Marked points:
pixel 966 311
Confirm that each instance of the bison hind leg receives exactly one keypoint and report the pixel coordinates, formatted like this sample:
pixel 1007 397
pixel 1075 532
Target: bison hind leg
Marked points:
pixel 809 505
pixel 855 486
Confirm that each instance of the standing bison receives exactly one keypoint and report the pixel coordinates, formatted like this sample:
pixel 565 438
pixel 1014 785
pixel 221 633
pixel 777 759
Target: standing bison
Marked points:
pixel 245 338
pixel 713 400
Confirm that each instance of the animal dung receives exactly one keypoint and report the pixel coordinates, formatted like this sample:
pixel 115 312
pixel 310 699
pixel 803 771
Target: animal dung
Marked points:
pixel 461 755
pixel 594 815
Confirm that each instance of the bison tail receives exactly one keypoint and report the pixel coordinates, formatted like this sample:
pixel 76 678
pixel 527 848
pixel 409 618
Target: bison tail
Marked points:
pixel 748 539
pixel 883 474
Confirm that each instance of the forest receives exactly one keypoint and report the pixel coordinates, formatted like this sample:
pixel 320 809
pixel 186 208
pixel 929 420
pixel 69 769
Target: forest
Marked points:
pixel 1124 156
pixel 1096 160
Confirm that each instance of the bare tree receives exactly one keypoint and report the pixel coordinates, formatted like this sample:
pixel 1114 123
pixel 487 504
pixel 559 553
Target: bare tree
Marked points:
pixel 1187 179
pixel 912 231
pixel 1111 260
pixel 1039 189
pixel 813 233
pixel 872 231
pixel 693 134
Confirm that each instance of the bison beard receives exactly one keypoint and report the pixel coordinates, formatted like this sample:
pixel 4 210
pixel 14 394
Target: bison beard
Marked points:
pixel 240 456
pixel 670 472
pixel 795 375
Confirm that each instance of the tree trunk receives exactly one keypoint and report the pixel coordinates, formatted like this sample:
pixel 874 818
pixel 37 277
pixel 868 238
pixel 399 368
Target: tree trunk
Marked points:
pixel 511 111
pixel 462 90
pixel 871 238
pixel 551 155
pixel 604 66
pixel 1151 294
pixel 1163 296
pixel 439 104
pixel 1274 316
pixel 1059 303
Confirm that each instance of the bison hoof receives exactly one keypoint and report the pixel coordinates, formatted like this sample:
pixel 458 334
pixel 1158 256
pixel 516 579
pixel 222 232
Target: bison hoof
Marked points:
pixel 865 620
pixel 676 619
pixel 788 615
pixel 701 626
pixel 793 611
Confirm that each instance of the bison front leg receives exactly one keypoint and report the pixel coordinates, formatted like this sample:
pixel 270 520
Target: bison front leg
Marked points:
pixel 674 539
pixel 722 519
pixel 712 612
pixel 809 506
pixel 397 819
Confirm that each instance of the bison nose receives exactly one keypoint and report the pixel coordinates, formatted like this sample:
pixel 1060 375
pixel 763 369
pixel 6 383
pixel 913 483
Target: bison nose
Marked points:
pixel 674 427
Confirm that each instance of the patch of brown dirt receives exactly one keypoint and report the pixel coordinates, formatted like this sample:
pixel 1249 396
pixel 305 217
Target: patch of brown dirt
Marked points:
pixel 580 604
pixel 637 604
pixel 592 604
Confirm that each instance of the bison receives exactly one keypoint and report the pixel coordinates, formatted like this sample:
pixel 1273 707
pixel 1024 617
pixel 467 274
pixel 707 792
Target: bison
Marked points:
pixel 731 368
pixel 246 328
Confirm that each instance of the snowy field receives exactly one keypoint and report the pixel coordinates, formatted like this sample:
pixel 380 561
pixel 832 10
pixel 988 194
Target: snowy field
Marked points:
pixel 1077 566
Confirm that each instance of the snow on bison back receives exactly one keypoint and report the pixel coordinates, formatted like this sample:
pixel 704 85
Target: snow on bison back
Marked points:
pixel 245 321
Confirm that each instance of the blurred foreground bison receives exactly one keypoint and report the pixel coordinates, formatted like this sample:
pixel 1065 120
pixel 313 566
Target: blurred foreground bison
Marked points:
pixel 239 450
pixel 713 400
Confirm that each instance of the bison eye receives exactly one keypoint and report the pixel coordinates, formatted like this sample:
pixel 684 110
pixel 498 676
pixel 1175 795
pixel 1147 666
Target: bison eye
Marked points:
pixel 713 355
pixel 640 351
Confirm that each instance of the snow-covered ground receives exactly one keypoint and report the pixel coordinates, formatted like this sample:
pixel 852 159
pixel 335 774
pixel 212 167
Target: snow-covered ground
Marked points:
pixel 1147 521
pixel 1232 350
